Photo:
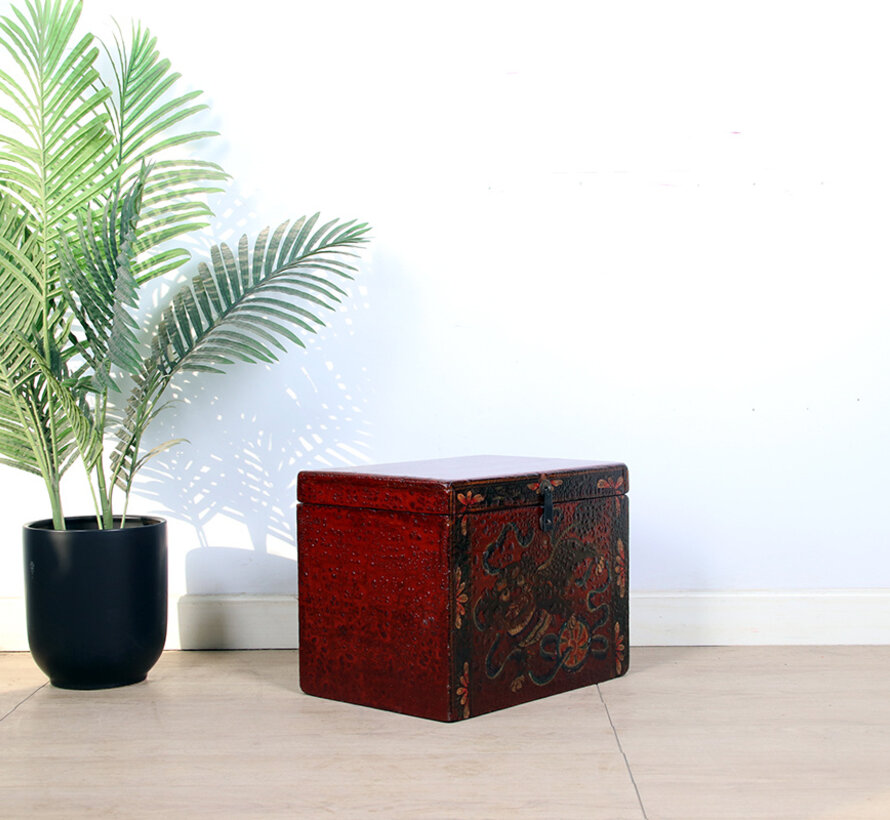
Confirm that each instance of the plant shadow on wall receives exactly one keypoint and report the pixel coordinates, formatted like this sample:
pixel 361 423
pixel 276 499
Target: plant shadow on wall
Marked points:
pixel 247 435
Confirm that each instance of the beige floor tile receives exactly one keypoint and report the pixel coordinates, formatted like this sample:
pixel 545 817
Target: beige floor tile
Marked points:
pixel 19 679
pixel 740 732
pixel 228 734
pixel 757 732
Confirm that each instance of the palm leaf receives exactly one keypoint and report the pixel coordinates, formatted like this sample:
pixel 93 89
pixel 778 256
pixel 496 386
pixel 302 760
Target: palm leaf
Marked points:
pixel 20 444
pixel 78 425
pixel 100 289
pixel 60 156
pixel 36 432
pixel 147 121
pixel 229 313
pixel 238 288
pixel 21 294
pixel 32 430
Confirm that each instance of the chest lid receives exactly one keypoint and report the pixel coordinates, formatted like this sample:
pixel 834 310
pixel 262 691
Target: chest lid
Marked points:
pixel 466 484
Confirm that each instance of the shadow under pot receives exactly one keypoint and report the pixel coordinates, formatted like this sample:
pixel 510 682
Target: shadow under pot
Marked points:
pixel 96 600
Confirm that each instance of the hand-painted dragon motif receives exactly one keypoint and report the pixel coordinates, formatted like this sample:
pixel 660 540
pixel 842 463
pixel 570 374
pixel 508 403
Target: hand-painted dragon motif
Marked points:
pixel 548 606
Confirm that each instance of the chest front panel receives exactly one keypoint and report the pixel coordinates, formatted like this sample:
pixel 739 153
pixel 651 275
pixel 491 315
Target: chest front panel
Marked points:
pixel 539 610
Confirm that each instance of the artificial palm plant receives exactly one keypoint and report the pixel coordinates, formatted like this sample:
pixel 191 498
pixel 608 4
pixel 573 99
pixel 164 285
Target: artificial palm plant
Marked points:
pixel 93 196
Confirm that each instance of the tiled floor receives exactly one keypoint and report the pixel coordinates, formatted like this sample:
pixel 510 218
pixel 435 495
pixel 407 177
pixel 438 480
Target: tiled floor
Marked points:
pixel 744 732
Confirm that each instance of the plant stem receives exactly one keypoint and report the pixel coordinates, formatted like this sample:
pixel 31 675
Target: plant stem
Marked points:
pixel 96 508
pixel 104 498
pixel 55 500
pixel 105 489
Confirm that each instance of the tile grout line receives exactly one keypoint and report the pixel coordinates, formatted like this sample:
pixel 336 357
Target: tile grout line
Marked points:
pixel 623 754
pixel 23 702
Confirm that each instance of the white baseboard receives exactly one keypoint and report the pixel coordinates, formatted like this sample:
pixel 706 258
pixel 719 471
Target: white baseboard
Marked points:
pixel 238 621
pixel 13 626
pixel 195 622
pixel 756 618
pixel 683 618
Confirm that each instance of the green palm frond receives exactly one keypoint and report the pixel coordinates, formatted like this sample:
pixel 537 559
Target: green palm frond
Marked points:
pixel 23 411
pixel 20 444
pixel 79 432
pixel 58 156
pixel 242 307
pixel 147 121
pixel 233 310
pixel 100 289
pixel 21 294
pixel 37 433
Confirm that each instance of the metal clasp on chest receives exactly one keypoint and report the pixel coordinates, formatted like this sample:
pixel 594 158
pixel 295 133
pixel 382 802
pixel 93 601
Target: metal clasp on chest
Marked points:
pixel 546 492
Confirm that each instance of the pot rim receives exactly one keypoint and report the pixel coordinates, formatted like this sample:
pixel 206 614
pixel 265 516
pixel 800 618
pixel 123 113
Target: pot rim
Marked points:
pixel 88 523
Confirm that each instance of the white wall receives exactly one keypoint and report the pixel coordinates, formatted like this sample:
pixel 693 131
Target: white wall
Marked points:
pixel 649 232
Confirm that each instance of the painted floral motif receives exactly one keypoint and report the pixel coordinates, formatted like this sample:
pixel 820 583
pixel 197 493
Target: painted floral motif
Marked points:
pixel 616 485
pixel 620 649
pixel 621 569
pixel 544 482
pixel 467 500
pixel 460 599
pixel 574 640
pixel 463 690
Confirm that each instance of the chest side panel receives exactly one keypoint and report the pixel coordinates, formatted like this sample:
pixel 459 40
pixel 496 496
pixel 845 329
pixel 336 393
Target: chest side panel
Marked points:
pixel 544 611
pixel 374 608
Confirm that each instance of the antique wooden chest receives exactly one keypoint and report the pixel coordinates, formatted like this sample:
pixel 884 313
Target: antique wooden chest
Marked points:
pixel 450 588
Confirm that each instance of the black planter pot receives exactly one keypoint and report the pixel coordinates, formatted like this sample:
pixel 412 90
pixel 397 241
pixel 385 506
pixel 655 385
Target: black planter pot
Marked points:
pixel 96 600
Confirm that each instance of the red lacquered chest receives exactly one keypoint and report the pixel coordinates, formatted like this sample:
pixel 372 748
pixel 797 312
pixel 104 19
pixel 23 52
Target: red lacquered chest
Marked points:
pixel 450 588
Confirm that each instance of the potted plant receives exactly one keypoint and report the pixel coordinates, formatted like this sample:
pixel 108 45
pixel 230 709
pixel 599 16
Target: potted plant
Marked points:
pixel 93 196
